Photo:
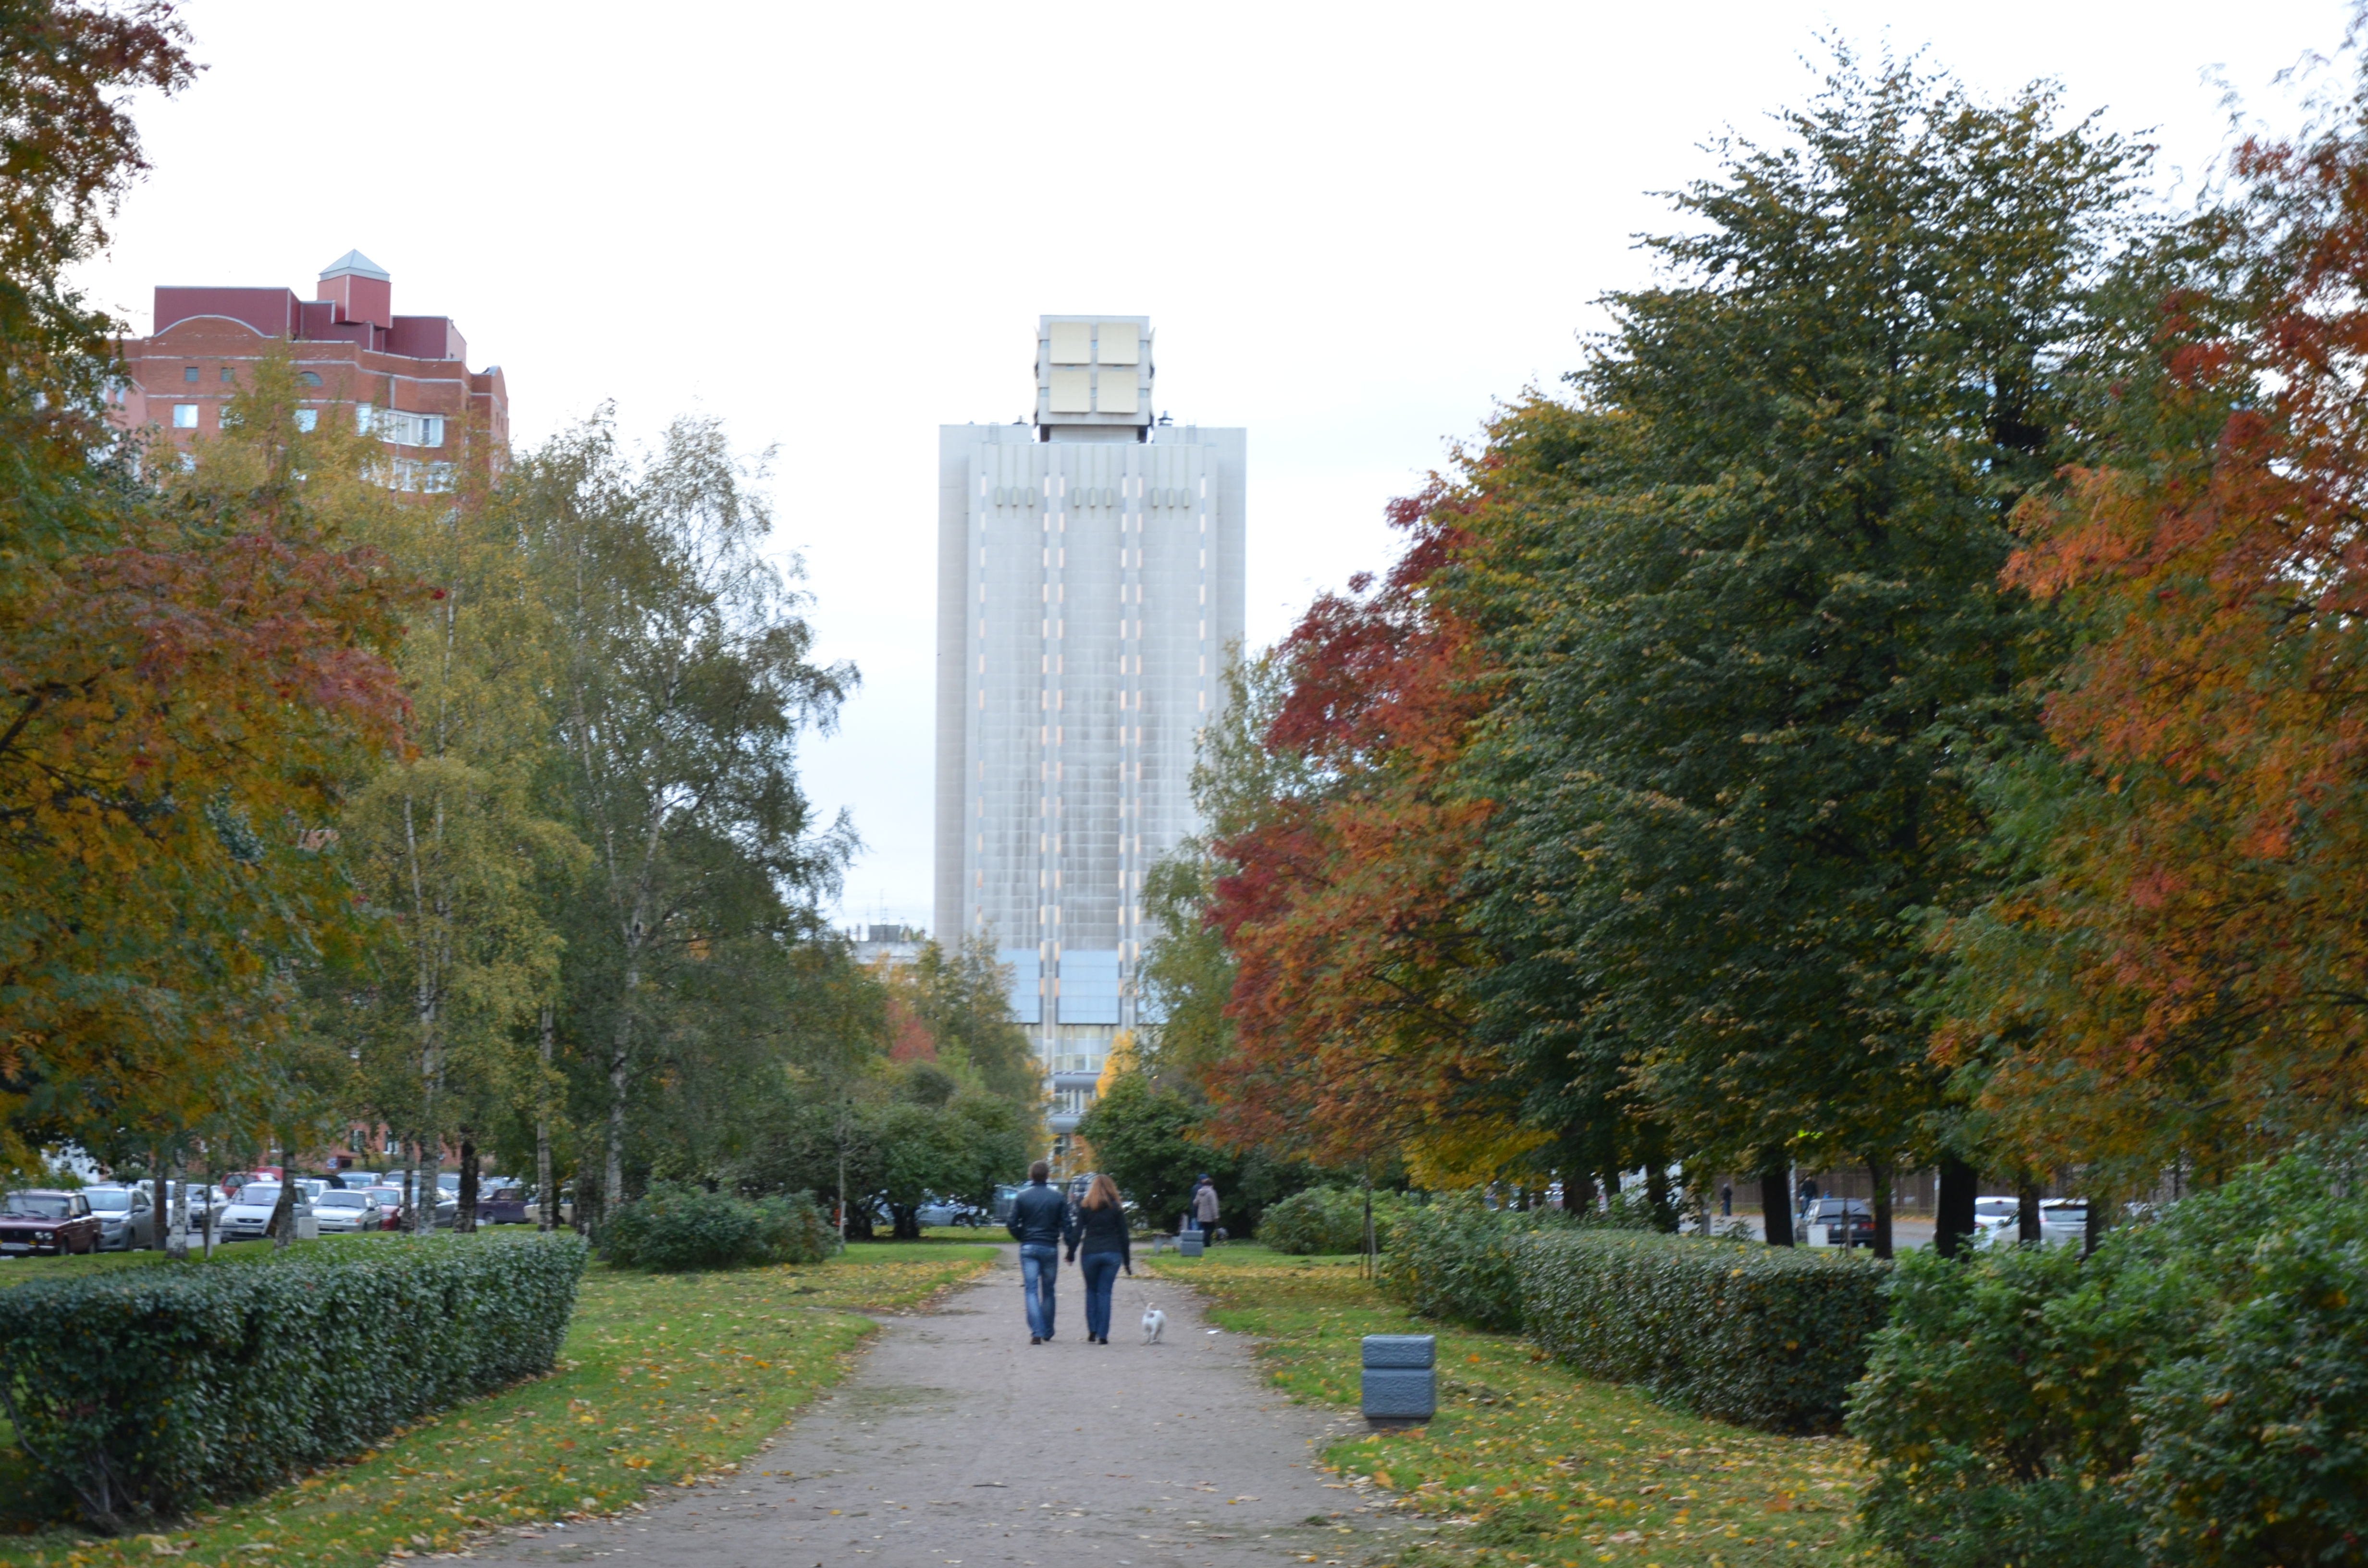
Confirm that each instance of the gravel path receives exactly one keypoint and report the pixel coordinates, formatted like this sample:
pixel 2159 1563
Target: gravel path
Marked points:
pixel 957 1442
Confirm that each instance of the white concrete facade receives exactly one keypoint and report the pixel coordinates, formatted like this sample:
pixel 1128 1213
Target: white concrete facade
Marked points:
pixel 1090 589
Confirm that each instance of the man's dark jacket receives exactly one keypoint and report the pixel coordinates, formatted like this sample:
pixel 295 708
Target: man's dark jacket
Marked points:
pixel 1040 1217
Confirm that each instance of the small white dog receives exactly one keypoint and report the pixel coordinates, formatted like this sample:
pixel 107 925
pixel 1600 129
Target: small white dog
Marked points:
pixel 1154 1322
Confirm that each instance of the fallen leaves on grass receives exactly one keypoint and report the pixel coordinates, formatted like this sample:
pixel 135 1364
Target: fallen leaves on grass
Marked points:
pixel 1527 1463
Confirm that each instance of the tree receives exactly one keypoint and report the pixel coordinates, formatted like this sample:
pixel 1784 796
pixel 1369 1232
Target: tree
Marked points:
pixel 963 1000
pixel 1752 622
pixel 2176 975
pixel 186 695
pixel 1337 854
pixel 684 677
pixel 1143 1138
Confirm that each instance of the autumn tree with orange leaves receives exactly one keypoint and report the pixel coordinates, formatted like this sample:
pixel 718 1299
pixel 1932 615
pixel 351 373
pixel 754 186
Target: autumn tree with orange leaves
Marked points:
pixel 2180 978
pixel 185 678
pixel 1339 889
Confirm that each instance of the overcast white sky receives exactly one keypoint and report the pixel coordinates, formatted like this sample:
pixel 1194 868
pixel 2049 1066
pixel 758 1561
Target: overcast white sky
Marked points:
pixel 834 226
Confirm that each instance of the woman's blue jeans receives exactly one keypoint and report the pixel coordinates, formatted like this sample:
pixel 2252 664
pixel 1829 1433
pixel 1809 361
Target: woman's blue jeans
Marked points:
pixel 1101 1277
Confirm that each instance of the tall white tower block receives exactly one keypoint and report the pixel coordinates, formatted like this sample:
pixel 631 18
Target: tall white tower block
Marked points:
pixel 1089 590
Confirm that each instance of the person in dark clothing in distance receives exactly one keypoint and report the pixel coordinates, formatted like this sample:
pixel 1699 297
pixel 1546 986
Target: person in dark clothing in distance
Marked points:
pixel 1041 1222
pixel 1102 1236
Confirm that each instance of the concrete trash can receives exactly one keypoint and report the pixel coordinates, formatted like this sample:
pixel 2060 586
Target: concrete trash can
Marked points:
pixel 1401 1377
pixel 1189 1243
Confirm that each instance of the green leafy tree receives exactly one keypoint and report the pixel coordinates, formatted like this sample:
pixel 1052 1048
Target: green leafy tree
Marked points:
pixel 1143 1140
pixel 684 677
pixel 963 999
pixel 1753 618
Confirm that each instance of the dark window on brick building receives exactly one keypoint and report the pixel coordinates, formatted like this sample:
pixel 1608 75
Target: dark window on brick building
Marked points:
pixel 190 374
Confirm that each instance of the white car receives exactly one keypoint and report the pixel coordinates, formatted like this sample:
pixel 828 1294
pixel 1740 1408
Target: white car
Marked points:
pixel 248 1215
pixel 1997 1221
pixel 344 1212
pixel 2064 1221
pixel 125 1221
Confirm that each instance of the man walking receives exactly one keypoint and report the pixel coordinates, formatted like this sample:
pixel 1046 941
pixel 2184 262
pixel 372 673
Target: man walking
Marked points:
pixel 1042 1225
pixel 1204 1207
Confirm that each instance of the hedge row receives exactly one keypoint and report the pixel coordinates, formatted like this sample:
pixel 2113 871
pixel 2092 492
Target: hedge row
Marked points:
pixel 1457 1260
pixel 1764 1336
pixel 1769 1336
pixel 2196 1392
pixel 676 1228
pixel 144 1393
pixel 1330 1219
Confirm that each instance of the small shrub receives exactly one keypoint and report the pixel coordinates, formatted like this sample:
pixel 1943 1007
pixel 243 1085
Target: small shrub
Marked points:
pixel 1456 1260
pixel 1328 1219
pixel 674 1229
pixel 144 1393
pixel 1763 1336
pixel 2195 1392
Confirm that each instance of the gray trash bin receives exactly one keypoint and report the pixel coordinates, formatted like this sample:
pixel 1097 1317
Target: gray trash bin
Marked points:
pixel 1189 1243
pixel 1401 1377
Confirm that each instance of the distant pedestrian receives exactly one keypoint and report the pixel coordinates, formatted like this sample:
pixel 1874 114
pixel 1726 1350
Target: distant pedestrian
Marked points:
pixel 1102 1236
pixel 1204 1205
pixel 1040 1224
pixel 1726 1199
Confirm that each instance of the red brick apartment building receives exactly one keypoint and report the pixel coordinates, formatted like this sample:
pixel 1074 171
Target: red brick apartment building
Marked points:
pixel 406 379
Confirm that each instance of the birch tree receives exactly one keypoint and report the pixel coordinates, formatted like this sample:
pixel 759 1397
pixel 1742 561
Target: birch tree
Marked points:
pixel 684 676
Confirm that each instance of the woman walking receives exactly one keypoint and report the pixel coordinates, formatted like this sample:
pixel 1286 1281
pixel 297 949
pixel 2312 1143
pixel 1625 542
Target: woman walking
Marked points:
pixel 1102 1238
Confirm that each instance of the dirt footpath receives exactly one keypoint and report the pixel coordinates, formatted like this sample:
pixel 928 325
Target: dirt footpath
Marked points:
pixel 957 1442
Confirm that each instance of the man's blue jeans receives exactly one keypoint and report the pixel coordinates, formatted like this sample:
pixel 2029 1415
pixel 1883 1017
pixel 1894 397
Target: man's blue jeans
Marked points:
pixel 1101 1276
pixel 1038 1266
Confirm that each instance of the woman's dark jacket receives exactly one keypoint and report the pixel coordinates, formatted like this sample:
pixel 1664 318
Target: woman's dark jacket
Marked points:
pixel 1104 1229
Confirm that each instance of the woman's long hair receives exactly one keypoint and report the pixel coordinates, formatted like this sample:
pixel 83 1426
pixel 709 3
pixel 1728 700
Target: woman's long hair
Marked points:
pixel 1101 1194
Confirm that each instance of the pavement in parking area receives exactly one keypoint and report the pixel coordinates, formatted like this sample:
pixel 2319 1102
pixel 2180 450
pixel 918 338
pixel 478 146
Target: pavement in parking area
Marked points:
pixel 957 1442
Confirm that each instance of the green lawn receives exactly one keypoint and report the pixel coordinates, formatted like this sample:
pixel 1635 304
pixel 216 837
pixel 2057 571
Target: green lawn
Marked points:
pixel 1527 1463
pixel 664 1379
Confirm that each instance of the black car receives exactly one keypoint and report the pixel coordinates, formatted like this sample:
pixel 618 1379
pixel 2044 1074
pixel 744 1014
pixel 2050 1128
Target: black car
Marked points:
pixel 1837 1213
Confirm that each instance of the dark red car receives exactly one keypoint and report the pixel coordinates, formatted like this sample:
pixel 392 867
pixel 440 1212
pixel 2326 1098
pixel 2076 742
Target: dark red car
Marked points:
pixel 47 1221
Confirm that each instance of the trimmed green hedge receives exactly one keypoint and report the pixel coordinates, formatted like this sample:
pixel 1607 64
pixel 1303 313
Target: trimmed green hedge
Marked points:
pixel 2196 1392
pixel 1328 1219
pixel 1764 1336
pixel 144 1393
pixel 676 1227
pixel 1456 1260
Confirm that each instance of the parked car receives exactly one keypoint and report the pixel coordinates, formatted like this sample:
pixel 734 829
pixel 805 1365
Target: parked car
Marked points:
pixel 951 1211
pixel 125 1223
pixel 506 1203
pixel 1004 1198
pixel 248 1216
pixel 447 1204
pixel 2064 1221
pixel 1996 1221
pixel 389 1205
pixel 44 1220
pixel 201 1198
pixel 345 1211
pixel 1848 1222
